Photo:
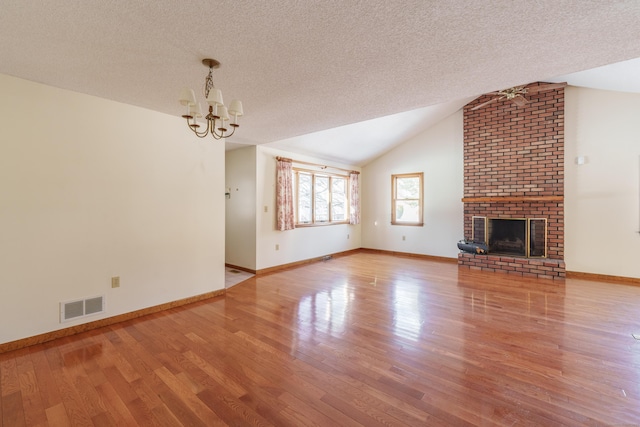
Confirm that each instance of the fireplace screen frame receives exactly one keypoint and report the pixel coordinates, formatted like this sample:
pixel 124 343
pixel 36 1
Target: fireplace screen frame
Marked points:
pixel 480 230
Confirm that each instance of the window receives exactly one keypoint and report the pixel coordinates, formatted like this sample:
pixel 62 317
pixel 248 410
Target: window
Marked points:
pixel 406 199
pixel 320 198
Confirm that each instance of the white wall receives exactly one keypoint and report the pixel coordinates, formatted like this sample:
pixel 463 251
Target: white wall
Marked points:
pixel 91 189
pixel 241 209
pixel 602 196
pixel 302 243
pixel 438 153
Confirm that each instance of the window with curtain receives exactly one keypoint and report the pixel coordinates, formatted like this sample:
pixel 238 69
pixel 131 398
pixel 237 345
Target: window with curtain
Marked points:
pixel 320 198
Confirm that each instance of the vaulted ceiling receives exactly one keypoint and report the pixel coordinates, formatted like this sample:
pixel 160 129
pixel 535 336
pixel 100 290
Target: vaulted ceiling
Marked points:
pixel 302 67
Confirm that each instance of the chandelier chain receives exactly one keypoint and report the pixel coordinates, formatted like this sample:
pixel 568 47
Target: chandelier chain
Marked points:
pixel 208 84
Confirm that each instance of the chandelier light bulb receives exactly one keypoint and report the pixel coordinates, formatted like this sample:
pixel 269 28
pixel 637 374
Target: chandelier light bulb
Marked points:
pixel 222 112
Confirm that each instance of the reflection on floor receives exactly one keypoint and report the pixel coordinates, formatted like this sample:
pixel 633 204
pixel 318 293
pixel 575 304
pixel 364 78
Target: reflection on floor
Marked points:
pixel 233 276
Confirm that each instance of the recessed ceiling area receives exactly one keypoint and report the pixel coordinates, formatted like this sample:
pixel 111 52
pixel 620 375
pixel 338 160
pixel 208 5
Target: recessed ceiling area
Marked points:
pixel 319 69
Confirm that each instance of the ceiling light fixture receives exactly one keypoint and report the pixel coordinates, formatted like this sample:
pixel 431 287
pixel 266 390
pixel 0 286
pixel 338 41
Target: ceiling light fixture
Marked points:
pixel 218 113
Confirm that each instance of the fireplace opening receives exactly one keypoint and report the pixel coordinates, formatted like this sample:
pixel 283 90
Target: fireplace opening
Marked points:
pixel 507 236
pixel 520 237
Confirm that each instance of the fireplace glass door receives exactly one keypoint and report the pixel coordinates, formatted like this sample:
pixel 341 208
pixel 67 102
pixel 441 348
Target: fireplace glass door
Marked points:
pixel 519 237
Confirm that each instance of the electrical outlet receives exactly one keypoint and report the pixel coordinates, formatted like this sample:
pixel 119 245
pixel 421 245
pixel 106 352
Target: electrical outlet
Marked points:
pixel 277 247
pixel 404 237
pixel 115 282
pixel 266 209
pixel 347 237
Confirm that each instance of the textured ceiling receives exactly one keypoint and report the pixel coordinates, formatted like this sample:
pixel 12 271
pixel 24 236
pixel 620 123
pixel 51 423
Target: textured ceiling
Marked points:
pixel 307 66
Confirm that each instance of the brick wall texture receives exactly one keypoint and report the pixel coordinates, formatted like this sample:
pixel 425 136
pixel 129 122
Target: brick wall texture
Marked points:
pixel 512 151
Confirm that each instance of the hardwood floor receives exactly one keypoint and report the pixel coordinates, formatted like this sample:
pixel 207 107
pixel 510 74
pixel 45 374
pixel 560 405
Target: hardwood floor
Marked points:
pixel 361 340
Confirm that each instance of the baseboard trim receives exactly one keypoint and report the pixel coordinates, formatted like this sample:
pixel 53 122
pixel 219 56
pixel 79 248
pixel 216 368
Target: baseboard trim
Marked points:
pixel 412 255
pixel 355 251
pixel 303 262
pixel 603 278
pixel 73 330
pixel 237 267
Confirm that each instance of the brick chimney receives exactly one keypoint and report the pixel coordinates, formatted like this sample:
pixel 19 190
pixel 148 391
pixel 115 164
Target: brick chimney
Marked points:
pixel 514 168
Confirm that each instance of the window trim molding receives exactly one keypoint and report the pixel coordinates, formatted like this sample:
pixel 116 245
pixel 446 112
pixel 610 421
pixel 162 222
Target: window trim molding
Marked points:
pixel 394 178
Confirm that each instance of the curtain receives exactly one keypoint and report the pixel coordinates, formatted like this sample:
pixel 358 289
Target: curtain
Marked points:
pixel 284 195
pixel 354 203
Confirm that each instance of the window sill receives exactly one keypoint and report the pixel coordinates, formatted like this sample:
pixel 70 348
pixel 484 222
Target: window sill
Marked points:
pixel 320 224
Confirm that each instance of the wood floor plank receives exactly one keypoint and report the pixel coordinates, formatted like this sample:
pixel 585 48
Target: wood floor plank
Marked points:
pixel 104 419
pixel 142 413
pixel 49 393
pixel 266 404
pixel 57 415
pixel 362 340
pixel 116 407
pixel 34 409
pixel 74 403
pixel 195 405
pixel 13 410
pixel 9 379
pixel 90 398
pixel 229 383
pixel 231 410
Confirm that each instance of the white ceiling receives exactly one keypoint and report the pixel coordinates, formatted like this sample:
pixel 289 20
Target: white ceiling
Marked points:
pixel 359 143
pixel 313 67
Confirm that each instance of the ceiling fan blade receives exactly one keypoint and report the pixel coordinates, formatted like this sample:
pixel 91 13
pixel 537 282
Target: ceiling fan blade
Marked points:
pixel 519 100
pixel 491 101
pixel 543 87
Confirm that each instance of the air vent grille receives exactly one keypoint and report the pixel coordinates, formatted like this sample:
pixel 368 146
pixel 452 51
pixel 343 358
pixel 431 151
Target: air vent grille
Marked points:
pixel 73 309
pixel 93 305
pixel 70 310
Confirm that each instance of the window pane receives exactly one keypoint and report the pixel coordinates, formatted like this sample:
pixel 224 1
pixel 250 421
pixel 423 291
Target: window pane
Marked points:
pixel 322 199
pixel 407 211
pixel 304 198
pixel 408 188
pixel 338 199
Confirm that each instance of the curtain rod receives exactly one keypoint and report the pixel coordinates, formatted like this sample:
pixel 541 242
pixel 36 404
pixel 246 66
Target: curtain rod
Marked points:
pixel 300 162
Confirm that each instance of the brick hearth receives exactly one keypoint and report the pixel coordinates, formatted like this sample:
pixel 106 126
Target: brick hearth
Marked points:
pixel 514 168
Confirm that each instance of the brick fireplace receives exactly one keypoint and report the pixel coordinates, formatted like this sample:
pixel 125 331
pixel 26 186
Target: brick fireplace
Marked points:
pixel 514 169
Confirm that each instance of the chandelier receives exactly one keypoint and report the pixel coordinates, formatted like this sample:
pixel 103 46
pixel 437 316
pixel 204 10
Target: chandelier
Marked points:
pixel 218 113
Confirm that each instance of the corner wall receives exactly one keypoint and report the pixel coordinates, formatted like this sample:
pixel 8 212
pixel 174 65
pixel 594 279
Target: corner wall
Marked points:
pixel 301 243
pixel 93 189
pixel 602 203
pixel 438 153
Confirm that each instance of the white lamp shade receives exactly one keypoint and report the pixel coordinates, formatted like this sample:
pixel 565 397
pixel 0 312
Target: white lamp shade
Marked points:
pixel 215 97
pixel 222 112
pixel 195 110
pixel 235 108
pixel 187 96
